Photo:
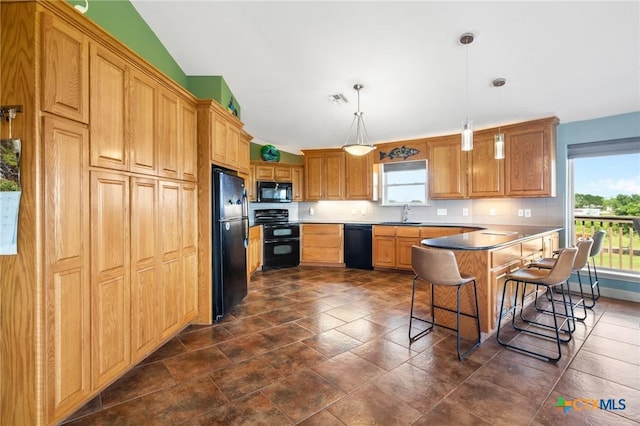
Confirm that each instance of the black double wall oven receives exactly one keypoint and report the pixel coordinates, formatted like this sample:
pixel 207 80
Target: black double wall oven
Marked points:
pixel 281 246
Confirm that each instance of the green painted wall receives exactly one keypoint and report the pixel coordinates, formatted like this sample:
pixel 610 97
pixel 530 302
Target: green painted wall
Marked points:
pixel 285 157
pixel 120 19
pixel 212 87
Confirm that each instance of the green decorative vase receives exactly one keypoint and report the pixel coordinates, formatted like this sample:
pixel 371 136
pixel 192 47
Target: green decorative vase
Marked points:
pixel 270 153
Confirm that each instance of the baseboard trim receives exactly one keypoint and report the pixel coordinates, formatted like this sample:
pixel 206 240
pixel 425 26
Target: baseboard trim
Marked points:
pixel 614 293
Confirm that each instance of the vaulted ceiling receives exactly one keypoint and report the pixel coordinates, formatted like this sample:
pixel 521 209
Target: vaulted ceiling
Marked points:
pixel 576 60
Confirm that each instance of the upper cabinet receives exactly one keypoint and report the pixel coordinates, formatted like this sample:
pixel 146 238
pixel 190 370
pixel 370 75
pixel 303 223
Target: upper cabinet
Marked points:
pixel 65 70
pixel 447 168
pixel 332 174
pixel 486 174
pixel 227 144
pixel 324 174
pixel 143 97
pixel 277 172
pixel 528 169
pixel 359 178
pixel 530 158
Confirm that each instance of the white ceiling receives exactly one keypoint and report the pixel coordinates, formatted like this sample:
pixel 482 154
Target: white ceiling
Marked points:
pixel 574 60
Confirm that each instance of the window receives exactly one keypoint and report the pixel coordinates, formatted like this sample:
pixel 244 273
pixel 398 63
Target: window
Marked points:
pixel 404 183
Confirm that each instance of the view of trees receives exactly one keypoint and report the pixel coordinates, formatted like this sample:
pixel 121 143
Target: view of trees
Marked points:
pixel 620 205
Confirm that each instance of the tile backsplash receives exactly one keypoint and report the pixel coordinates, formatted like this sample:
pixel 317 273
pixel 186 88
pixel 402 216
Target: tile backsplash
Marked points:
pixel 504 211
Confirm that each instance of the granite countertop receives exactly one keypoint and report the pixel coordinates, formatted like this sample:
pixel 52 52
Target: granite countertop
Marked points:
pixel 491 237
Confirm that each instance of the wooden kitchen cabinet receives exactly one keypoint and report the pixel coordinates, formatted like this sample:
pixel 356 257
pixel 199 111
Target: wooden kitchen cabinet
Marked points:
pixel 255 249
pixel 80 300
pixel 145 289
pixel 447 168
pixel 322 244
pixel 110 285
pixel 188 159
pixel 384 246
pixel 142 101
pixel 486 174
pixel 297 181
pixel 170 247
pixel 109 77
pixel 169 148
pixel 530 159
pixel 67 266
pixel 228 143
pixel 324 174
pixel 65 70
pixel 359 177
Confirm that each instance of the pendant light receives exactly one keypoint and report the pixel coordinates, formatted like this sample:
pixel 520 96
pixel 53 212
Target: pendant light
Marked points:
pixel 357 142
pixel 467 131
pixel 498 138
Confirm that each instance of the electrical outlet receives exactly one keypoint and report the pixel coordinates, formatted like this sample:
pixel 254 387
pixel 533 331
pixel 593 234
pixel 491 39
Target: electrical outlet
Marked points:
pixel 353 212
pixel 363 212
pixel 442 212
pixel 465 212
pixel 492 212
pixel 520 212
pixel 527 212
pixel 310 211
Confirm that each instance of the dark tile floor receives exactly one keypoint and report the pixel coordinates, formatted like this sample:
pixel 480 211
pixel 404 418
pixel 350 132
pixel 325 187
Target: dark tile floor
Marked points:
pixel 322 346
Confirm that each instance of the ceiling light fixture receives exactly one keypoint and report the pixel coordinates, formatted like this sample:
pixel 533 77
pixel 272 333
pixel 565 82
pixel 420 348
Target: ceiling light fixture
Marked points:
pixel 498 138
pixel 357 142
pixel 467 131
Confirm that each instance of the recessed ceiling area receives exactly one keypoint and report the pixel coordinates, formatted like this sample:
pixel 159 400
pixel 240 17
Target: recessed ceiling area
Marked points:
pixel 284 60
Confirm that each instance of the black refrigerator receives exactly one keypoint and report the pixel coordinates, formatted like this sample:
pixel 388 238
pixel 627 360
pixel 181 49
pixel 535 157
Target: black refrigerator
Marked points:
pixel 230 241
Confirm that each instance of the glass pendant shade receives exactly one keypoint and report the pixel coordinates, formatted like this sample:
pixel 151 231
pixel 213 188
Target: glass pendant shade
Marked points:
pixel 467 136
pixel 357 142
pixel 498 145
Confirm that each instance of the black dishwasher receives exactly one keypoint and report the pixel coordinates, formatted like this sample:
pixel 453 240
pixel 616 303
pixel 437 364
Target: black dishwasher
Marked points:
pixel 357 246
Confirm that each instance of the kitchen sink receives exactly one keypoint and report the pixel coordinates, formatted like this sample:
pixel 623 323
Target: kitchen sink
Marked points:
pixel 400 223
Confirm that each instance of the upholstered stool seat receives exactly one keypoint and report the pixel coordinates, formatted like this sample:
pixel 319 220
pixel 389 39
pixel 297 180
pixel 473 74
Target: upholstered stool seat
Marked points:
pixel 549 279
pixel 440 268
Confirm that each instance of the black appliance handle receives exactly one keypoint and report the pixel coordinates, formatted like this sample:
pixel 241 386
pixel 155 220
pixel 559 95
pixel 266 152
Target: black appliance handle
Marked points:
pixel 245 217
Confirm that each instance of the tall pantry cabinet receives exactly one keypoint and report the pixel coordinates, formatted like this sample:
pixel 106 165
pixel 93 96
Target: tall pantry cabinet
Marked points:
pixel 106 269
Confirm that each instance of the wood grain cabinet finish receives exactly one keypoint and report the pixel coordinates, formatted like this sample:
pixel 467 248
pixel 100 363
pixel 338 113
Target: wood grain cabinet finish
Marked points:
pixel 65 70
pixel 486 174
pixel 255 249
pixel 322 244
pixel 142 123
pixel 145 289
pixel 82 299
pixel 359 177
pixel 530 159
pixel 324 174
pixel 447 168
pixel 297 181
pixel 67 267
pixel 110 290
pixel 109 77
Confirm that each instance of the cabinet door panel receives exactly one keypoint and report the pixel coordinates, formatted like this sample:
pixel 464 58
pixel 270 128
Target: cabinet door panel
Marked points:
pixel 265 173
pixel 170 153
pixel 110 261
pixel 334 172
pixel 486 174
pixel 142 124
pixel 170 229
pixel 446 169
pixel 297 181
pixel 109 76
pixel 67 268
pixel 171 300
pixel 219 140
pixel 359 177
pixel 190 286
pixel 384 253
pixel 314 178
pixel 65 70
pixel 528 166
pixel 189 141
pixel 233 138
pixel 145 288
pixel 403 252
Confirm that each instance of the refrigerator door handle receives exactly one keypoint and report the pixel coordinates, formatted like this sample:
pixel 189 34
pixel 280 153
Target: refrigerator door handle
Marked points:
pixel 245 214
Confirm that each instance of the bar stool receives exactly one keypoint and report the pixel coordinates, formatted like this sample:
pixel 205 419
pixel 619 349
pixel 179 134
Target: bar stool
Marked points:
pixel 598 238
pixel 439 267
pixel 547 278
pixel 582 257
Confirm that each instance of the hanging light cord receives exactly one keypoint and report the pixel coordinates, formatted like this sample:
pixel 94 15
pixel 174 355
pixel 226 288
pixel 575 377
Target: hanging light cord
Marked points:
pixel 467 78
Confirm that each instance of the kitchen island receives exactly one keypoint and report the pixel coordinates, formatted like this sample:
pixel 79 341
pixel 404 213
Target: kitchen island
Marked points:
pixel 490 254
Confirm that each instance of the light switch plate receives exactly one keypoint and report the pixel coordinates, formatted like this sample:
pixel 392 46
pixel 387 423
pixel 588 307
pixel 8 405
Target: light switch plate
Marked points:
pixel 527 212
pixel 442 212
pixel 465 212
pixel 520 212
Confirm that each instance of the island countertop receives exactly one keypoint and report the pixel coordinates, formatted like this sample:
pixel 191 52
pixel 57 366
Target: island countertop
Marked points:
pixel 491 237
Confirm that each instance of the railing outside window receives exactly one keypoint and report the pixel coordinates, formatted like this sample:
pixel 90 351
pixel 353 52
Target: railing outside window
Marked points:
pixel 621 246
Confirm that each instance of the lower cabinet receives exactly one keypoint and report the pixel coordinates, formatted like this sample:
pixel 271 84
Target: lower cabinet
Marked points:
pixel 255 249
pixel 322 244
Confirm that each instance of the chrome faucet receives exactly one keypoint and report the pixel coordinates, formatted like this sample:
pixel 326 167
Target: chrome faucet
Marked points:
pixel 405 213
